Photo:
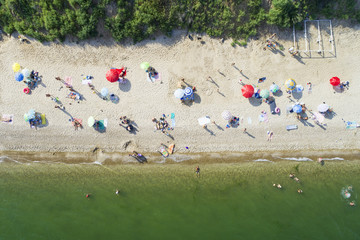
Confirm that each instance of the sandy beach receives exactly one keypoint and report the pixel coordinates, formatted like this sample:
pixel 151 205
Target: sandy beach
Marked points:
pixel 175 58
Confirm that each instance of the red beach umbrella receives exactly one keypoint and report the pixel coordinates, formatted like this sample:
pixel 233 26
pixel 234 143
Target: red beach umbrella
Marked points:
pixel 112 75
pixel 247 91
pixel 335 81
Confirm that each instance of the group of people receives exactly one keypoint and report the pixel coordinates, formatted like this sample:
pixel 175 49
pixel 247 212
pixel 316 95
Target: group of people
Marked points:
pixel 33 80
pixel 292 176
pixel 126 123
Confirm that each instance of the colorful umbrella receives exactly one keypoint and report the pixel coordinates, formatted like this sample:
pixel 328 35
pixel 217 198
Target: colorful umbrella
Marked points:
pixel 297 108
pixel 179 93
pixel 264 93
pixel 144 65
pixel 247 91
pixel 290 84
pixel 91 121
pixel 226 115
pixel 104 92
pixel 323 108
pixel 19 76
pixel 112 75
pixel 16 67
pixel 274 88
pixel 335 81
pixel 26 72
pixel 188 91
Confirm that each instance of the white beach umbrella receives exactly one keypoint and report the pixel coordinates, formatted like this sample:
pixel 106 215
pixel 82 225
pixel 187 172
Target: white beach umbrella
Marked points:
pixel 179 93
pixel 26 72
pixel 226 115
pixel 104 92
pixel 318 117
pixel 323 108
pixel 203 120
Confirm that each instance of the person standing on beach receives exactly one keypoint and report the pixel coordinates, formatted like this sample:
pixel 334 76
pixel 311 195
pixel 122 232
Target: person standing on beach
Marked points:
pixel 197 171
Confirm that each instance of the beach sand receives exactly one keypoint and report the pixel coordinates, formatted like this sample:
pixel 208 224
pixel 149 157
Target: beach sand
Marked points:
pixel 175 58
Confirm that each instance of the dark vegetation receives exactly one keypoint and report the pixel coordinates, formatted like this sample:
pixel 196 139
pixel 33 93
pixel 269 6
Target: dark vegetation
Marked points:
pixel 48 20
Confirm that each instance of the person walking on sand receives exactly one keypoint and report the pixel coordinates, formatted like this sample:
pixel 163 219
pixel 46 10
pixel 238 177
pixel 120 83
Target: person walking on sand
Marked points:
pixel 197 171
pixel 270 135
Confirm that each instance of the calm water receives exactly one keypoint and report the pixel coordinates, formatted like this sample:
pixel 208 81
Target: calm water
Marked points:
pixel 228 201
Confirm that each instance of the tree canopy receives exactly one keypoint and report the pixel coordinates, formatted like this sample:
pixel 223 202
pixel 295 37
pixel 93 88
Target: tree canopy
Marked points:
pixel 140 19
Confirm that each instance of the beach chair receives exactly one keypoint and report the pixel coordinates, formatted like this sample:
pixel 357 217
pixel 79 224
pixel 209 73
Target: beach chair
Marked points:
pixel 291 127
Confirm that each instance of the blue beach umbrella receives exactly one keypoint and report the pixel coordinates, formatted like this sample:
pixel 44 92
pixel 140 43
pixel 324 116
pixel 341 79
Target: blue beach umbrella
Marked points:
pixel 188 91
pixel 104 92
pixel 297 108
pixel 19 76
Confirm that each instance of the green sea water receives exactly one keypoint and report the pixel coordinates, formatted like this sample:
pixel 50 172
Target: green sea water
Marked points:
pixel 168 201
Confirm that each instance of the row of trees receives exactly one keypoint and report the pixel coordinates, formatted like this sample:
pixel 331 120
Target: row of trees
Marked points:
pixel 140 19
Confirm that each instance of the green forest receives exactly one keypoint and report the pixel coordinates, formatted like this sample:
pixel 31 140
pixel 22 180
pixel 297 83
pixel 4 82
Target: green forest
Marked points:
pixel 49 20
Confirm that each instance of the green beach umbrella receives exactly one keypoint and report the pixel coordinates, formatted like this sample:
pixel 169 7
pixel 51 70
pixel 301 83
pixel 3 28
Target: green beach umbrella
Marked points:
pixel 26 117
pixel 91 121
pixel 264 93
pixel 145 65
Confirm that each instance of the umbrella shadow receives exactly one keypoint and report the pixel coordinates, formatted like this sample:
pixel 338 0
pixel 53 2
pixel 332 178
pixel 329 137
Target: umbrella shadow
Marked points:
pixel 338 89
pixel 278 93
pixel 125 87
pixel 114 98
pixel 219 127
pixel 222 94
pixel 297 95
pixel 255 101
pixel 330 115
pixel 197 98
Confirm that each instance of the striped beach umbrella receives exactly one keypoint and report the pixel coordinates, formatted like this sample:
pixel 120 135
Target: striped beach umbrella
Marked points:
pixel 226 115
pixel 188 91
pixel 335 81
pixel 274 88
pixel 247 91
pixel 290 84
pixel 297 108
pixel 264 93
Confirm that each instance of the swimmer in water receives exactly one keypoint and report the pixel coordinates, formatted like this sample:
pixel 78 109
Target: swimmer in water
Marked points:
pixel 291 175
pixel 279 186
pixel 352 203
pixel 300 191
pixel 87 195
pixel 117 192
pixel 296 179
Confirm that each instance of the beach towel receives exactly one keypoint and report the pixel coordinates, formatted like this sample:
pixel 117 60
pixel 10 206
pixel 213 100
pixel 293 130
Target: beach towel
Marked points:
pixel 249 121
pixel 351 125
pixel 7 118
pixel 68 81
pixel 157 77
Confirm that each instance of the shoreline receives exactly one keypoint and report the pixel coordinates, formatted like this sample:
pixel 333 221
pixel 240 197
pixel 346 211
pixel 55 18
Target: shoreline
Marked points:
pixel 118 158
